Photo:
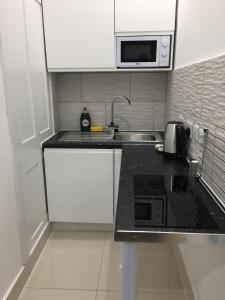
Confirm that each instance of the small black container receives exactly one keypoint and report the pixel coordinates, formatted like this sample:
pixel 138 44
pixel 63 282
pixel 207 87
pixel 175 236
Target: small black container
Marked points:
pixel 85 121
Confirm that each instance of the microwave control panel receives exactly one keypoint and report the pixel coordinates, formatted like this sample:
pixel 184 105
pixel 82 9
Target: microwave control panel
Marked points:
pixel 164 53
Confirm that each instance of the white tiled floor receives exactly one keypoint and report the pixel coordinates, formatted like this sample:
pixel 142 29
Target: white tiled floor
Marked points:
pixel 86 266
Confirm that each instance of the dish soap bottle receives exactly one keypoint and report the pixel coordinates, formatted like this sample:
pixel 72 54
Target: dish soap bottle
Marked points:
pixel 85 121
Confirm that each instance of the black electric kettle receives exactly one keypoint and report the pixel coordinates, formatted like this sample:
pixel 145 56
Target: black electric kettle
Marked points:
pixel 176 138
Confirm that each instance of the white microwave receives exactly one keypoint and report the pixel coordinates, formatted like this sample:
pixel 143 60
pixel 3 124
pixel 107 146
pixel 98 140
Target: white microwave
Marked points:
pixel 144 51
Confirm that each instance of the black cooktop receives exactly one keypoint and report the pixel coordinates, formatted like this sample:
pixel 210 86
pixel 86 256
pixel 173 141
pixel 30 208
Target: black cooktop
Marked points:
pixel 170 201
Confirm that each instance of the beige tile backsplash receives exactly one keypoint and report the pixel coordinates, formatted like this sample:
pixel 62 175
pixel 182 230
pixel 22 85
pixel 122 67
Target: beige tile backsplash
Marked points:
pixel 137 116
pixel 69 88
pixel 148 86
pixel 105 85
pixel 147 91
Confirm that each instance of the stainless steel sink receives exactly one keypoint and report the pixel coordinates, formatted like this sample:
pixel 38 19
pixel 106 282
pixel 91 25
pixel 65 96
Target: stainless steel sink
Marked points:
pixel 138 137
pixel 74 136
pixel 121 136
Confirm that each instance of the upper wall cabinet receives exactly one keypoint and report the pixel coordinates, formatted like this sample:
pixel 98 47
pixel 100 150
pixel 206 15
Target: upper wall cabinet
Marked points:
pixel 79 34
pixel 145 15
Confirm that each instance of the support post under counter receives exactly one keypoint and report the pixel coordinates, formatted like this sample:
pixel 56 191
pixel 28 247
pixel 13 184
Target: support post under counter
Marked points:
pixel 129 271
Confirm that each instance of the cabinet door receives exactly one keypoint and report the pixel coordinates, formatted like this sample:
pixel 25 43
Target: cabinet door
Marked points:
pixel 80 185
pixel 79 34
pixel 23 54
pixel 144 15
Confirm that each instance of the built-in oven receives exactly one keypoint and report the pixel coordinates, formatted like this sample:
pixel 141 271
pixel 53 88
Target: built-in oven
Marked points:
pixel 144 51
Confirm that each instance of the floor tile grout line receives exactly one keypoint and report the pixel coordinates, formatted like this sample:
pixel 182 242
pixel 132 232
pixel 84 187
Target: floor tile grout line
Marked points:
pixel 96 293
pixel 103 290
pixel 182 290
pixel 106 290
pixel 160 292
pixel 100 269
pixel 180 274
pixel 59 288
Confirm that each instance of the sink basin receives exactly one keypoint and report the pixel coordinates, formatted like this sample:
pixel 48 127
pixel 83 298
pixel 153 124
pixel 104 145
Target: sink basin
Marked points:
pixel 73 136
pixel 144 137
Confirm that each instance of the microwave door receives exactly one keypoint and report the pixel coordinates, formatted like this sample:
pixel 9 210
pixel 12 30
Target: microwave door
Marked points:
pixel 138 52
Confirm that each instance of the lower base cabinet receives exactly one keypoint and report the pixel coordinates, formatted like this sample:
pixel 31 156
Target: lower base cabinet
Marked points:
pixel 80 185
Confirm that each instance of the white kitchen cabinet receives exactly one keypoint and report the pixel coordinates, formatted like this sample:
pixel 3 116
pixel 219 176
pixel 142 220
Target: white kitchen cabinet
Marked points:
pixel 144 15
pixel 80 185
pixel 79 34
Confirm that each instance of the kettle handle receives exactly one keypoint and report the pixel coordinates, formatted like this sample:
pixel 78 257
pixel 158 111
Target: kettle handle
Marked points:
pixel 180 139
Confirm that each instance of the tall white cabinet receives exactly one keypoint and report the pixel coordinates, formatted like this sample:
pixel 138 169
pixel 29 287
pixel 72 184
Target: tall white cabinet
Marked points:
pixel 79 34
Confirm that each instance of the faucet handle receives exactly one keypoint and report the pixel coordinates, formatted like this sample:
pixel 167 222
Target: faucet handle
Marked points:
pixel 112 127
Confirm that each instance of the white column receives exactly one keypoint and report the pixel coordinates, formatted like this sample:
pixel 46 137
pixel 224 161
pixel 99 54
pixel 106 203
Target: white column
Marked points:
pixel 129 271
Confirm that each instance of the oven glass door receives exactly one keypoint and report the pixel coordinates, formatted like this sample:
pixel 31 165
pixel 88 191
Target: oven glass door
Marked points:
pixel 138 52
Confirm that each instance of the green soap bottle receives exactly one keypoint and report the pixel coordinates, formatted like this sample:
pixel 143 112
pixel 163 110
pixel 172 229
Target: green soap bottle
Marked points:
pixel 85 121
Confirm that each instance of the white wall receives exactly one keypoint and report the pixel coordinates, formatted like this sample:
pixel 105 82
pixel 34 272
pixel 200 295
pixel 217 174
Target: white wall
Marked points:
pixel 205 266
pixel 200 31
pixel 10 252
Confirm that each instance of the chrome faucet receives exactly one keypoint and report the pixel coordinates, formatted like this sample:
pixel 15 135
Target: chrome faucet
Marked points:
pixel 112 126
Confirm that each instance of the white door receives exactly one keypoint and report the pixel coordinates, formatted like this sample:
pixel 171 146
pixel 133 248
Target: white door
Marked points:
pixel 29 109
pixel 80 185
pixel 40 123
pixel 37 67
pixel 79 34
pixel 144 15
pixel 10 246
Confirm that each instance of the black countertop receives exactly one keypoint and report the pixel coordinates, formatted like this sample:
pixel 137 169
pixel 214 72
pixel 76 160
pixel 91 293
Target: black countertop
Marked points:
pixel 198 218
pixel 141 163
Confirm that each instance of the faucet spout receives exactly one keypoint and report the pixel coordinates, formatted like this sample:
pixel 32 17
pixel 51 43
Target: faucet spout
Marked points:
pixel 115 100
